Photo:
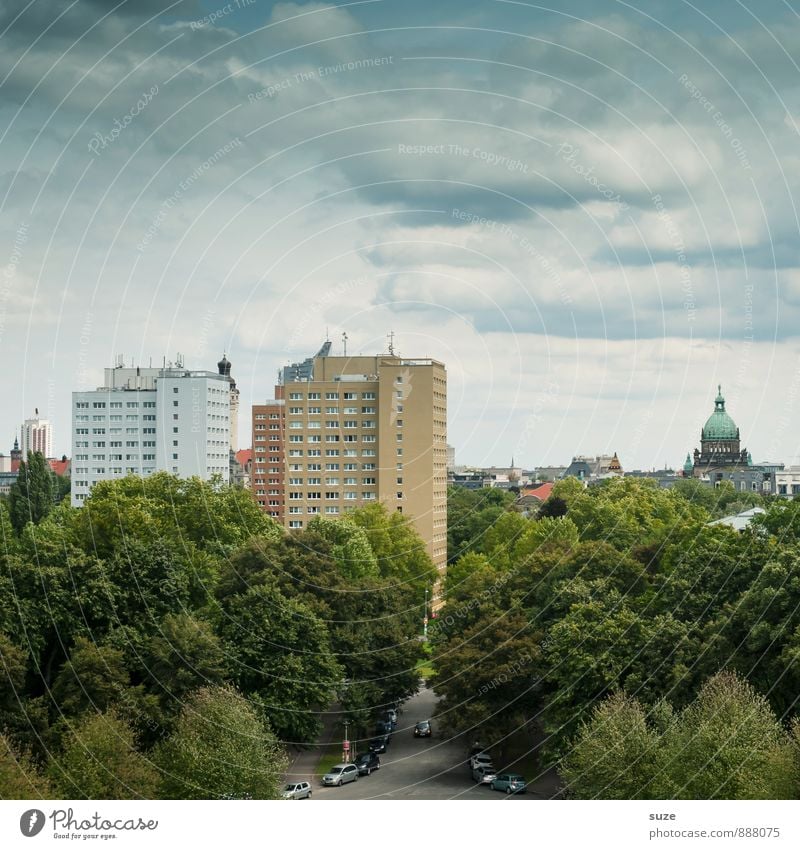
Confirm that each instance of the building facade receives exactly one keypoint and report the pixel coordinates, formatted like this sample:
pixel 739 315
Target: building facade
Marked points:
pixel 36 435
pixel 268 476
pixel 144 420
pixel 344 432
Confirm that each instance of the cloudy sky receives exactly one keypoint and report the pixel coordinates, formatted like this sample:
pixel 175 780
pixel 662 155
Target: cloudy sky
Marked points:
pixel 587 211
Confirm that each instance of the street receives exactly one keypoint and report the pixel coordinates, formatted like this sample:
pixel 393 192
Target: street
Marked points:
pixel 427 768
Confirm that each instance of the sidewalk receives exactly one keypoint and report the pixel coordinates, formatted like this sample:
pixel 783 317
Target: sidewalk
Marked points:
pixel 303 766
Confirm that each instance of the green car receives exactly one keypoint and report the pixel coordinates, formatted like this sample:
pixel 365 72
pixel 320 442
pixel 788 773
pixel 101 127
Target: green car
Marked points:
pixel 510 782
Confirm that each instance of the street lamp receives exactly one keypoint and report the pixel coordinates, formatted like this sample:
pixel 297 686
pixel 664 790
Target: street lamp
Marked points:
pixel 425 616
pixel 346 744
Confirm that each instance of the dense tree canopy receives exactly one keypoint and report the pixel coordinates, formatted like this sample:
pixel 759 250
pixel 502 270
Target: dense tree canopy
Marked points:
pixel 162 594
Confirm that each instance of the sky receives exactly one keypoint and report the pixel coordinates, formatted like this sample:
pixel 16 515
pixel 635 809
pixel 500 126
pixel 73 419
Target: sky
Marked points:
pixel 586 210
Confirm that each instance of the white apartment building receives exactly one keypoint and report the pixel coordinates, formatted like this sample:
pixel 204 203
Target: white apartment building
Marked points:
pixel 144 420
pixel 36 435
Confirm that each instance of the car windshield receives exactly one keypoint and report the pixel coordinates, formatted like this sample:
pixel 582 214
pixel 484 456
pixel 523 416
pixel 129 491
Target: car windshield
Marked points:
pixel 515 778
pixel 289 788
pixel 423 724
pixel 336 770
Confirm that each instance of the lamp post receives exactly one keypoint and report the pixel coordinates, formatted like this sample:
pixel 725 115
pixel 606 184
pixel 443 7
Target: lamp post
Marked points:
pixel 346 744
pixel 425 616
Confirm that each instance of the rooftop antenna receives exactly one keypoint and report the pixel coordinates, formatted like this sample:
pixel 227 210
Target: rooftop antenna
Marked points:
pixel 327 335
pixel 344 342
pixel 391 342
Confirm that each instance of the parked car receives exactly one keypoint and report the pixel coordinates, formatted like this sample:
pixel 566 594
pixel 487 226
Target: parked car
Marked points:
pixel 300 790
pixel 510 782
pixel 379 744
pixel 391 716
pixel 423 729
pixel 383 727
pixel 367 762
pixel 484 774
pixel 481 759
pixel 340 774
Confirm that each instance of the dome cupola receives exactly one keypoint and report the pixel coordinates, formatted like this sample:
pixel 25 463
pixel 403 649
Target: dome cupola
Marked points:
pixel 719 424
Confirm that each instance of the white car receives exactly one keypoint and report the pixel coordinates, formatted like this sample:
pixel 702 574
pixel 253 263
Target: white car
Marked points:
pixel 481 759
pixel 298 790
pixel 484 774
pixel 340 774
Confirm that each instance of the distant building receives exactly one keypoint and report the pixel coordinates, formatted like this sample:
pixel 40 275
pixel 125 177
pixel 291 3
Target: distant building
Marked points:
pixel 741 521
pixel 531 498
pixel 60 467
pixel 36 435
pixel 343 432
pixel 241 463
pixel 451 458
pixel 722 458
pixel 144 420
pixel 787 482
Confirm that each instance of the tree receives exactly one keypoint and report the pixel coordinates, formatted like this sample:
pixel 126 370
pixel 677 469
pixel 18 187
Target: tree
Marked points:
pixel 487 676
pixel 221 748
pixel 351 549
pixel 33 494
pixel 185 655
pixel 99 760
pixel 93 677
pixel 278 649
pixel 402 558
pixel 728 744
pixel 614 755
pixel 13 668
pixel 19 777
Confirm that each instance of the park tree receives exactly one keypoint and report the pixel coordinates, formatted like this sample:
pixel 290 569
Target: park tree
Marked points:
pixel 615 754
pixel 488 675
pixel 19 776
pixel 33 494
pixel 350 547
pixel 727 744
pixel 98 759
pixel 185 654
pixel 470 514
pixel 93 678
pixel 400 552
pixel 221 748
pixel 279 651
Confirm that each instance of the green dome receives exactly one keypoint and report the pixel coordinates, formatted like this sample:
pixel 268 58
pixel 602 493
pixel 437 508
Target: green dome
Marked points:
pixel 720 425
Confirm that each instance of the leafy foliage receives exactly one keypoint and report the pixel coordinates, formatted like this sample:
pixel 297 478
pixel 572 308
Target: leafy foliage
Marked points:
pixel 220 749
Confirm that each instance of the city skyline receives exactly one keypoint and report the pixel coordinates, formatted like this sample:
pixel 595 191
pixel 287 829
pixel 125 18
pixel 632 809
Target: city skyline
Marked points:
pixel 574 209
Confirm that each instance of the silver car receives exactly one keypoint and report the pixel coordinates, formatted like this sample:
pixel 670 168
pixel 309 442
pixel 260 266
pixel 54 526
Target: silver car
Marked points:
pixel 484 774
pixel 299 790
pixel 340 774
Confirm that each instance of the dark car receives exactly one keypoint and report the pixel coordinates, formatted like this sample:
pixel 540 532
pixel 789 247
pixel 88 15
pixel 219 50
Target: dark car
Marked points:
pixel 423 729
pixel 367 762
pixel 379 744
pixel 383 727
pixel 390 716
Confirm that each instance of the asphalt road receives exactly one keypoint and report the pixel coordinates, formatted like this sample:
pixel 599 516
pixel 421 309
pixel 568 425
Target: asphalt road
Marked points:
pixel 411 768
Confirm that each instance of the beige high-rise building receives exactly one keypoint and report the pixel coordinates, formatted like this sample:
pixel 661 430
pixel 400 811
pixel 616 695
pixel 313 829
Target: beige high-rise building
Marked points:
pixel 354 431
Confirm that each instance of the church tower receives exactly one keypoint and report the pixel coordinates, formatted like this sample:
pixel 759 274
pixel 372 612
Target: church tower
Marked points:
pixel 224 368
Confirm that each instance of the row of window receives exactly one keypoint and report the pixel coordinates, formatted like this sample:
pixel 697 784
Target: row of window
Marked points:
pixel 331 411
pixel 333 396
